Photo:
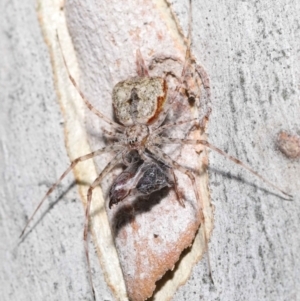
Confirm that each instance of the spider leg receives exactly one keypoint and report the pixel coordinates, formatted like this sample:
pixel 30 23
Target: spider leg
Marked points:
pixel 184 74
pixel 88 104
pixel 113 134
pixel 189 59
pixel 188 71
pixel 116 160
pixel 72 165
pixel 204 105
pixel 204 118
pixel 235 160
pixel 204 79
pixel 179 199
pixel 187 75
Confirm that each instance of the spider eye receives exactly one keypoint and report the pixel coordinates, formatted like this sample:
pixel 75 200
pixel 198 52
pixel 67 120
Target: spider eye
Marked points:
pixel 134 140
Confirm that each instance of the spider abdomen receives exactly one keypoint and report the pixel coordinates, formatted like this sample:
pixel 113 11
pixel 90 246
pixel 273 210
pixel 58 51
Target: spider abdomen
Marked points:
pixel 139 99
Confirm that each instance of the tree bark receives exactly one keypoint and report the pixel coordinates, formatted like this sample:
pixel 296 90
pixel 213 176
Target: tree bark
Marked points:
pixel 251 53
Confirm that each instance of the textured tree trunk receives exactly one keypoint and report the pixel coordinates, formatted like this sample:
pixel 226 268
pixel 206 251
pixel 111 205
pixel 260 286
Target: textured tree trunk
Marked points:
pixel 251 53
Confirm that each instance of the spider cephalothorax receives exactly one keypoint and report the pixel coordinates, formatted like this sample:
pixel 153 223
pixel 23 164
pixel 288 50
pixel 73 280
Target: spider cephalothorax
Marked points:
pixel 137 136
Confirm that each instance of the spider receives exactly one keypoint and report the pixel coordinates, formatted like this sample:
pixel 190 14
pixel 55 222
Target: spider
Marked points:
pixel 142 105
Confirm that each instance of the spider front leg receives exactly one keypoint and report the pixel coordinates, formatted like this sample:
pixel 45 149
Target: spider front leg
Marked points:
pixel 116 160
pixel 87 103
pixel 191 81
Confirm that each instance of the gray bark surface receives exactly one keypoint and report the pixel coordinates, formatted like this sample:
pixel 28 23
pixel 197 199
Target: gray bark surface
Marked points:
pixel 251 53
